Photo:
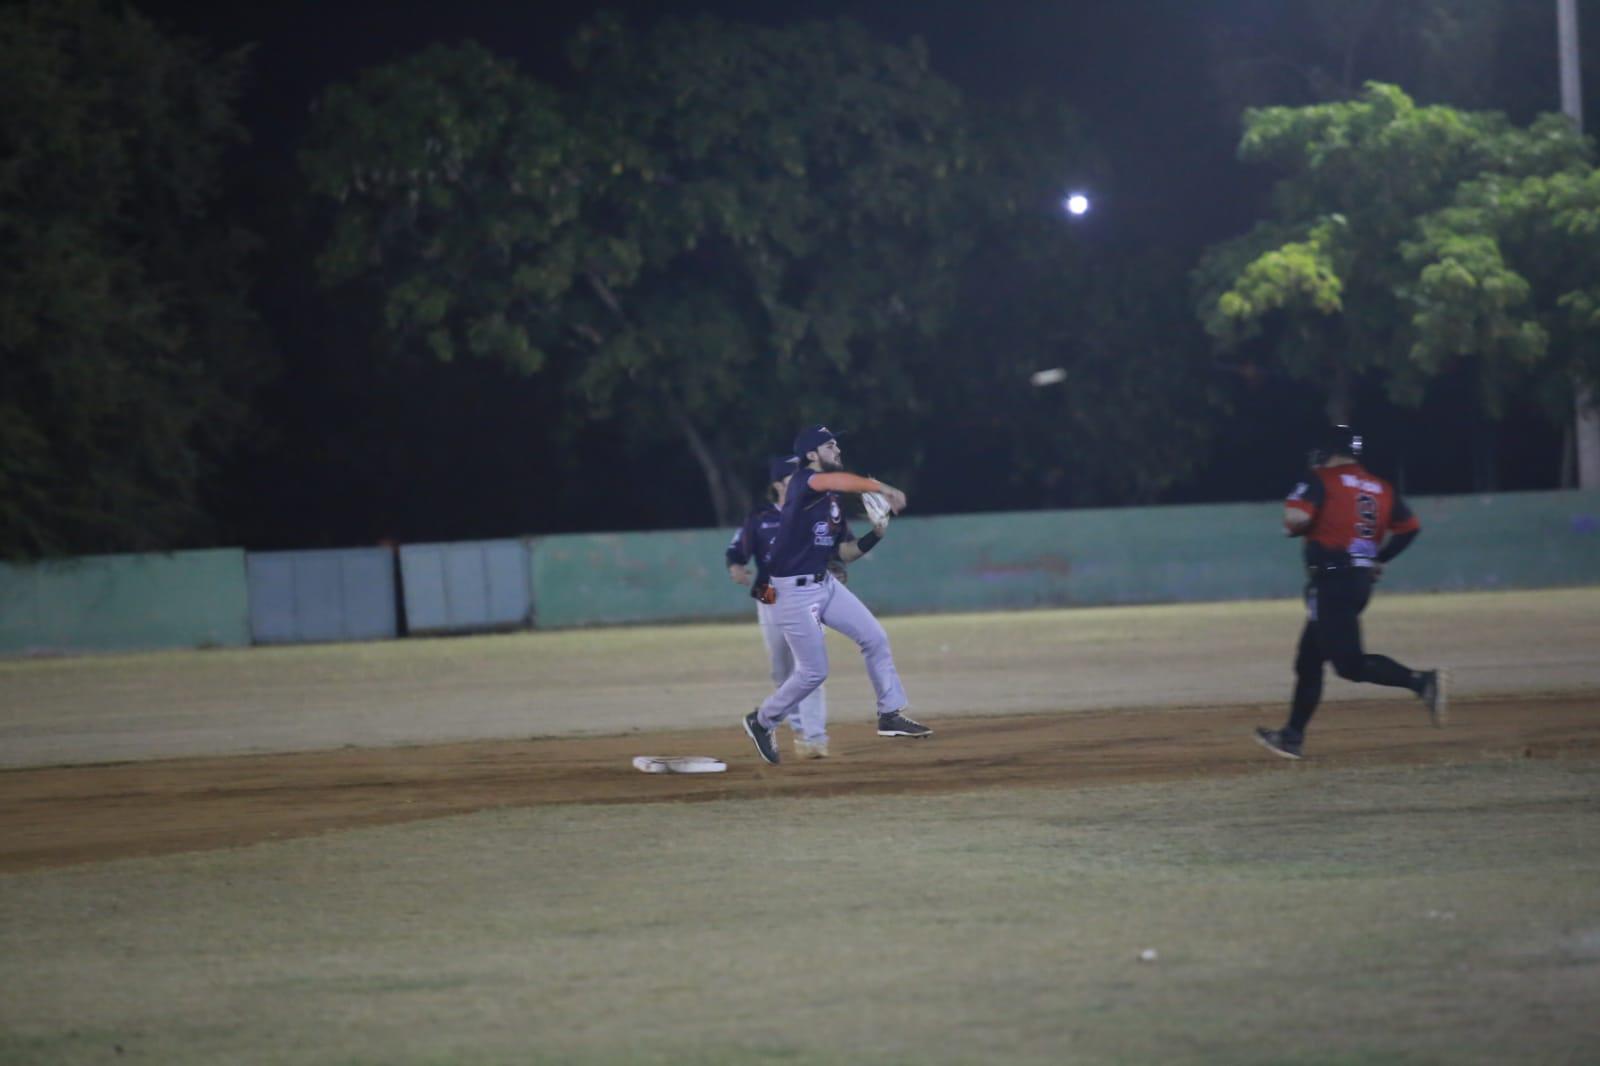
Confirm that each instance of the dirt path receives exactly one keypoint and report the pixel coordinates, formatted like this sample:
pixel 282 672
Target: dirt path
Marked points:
pixel 66 815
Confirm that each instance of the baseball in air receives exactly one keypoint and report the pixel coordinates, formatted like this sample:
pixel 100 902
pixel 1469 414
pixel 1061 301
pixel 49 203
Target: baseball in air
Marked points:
pixel 1149 955
pixel 1076 204
pixel 1054 376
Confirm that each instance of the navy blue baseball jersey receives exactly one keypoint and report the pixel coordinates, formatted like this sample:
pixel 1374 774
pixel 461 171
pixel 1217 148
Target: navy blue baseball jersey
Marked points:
pixel 753 540
pixel 811 527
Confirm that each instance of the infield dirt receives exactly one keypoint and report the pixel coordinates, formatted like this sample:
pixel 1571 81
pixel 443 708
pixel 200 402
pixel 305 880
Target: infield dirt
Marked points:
pixel 63 815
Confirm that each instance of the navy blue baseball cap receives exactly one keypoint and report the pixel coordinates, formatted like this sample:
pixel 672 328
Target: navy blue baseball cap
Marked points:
pixel 811 439
pixel 781 467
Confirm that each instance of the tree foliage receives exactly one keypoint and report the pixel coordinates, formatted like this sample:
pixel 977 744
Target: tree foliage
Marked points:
pixel 726 231
pixel 1508 276
pixel 1325 285
pixel 460 186
pixel 127 343
pixel 719 233
pixel 1037 290
pixel 1315 51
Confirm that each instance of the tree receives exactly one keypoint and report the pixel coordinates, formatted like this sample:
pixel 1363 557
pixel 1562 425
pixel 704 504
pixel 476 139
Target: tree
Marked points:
pixel 1441 51
pixel 810 175
pixel 1508 277
pixel 1038 290
pixel 1323 286
pixel 718 236
pixel 128 345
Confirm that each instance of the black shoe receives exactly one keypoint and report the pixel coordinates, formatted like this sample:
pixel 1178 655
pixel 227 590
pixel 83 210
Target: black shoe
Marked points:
pixel 896 724
pixel 762 736
pixel 1274 741
pixel 1435 696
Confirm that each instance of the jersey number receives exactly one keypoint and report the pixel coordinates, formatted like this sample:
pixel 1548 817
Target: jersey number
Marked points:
pixel 1367 523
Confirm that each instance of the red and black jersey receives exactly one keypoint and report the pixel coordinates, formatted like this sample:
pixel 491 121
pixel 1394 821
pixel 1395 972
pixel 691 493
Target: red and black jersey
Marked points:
pixel 1352 510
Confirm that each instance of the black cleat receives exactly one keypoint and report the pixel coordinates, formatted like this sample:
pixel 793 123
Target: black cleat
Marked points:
pixel 1273 740
pixel 765 744
pixel 896 724
pixel 1435 696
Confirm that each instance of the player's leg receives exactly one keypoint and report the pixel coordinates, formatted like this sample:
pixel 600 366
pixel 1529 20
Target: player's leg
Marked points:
pixel 1308 662
pixel 810 721
pixel 1342 642
pixel 846 613
pixel 796 613
pixel 780 659
pixel 1360 665
pixel 1307 686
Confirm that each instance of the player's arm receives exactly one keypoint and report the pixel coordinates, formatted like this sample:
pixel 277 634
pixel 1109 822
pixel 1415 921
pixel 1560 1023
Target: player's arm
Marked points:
pixel 1300 506
pixel 852 549
pixel 840 481
pixel 740 548
pixel 848 550
pixel 1403 529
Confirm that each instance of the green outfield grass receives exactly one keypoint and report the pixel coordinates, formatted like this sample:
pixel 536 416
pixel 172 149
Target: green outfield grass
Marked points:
pixel 1318 916
pixel 1305 913
pixel 106 708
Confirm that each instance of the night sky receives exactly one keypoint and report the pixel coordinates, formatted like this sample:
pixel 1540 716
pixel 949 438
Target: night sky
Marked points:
pixel 1136 71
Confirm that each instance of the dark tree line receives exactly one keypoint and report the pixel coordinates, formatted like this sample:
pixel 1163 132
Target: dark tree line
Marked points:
pixel 528 301
pixel 129 345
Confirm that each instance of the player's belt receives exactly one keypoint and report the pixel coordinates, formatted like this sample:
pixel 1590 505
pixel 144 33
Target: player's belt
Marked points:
pixel 1361 563
pixel 802 579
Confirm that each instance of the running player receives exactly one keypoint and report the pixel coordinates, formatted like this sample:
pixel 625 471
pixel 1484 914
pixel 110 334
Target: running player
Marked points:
pixel 807 597
pixel 1344 513
pixel 753 541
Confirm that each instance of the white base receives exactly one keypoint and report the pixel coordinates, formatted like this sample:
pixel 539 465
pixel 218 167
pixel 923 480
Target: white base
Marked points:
pixel 678 764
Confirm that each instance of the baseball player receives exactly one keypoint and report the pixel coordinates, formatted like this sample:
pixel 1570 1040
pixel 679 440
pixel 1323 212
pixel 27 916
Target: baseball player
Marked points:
pixel 1345 512
pixel 807 597
pixel 754 541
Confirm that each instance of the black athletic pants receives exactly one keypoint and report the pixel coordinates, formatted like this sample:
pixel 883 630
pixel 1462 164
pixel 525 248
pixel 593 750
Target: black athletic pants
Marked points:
pixel 1334 602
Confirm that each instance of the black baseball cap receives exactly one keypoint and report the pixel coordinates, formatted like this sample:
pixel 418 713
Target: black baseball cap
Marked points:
pixel 780 467
pixel 812 438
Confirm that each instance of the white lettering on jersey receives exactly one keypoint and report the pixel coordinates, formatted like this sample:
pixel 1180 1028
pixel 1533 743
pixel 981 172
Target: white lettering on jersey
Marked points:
pixel 1350 481
pixel 822 534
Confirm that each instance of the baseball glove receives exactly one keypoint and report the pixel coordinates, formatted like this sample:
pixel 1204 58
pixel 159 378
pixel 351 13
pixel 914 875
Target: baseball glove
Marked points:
pixel 877 508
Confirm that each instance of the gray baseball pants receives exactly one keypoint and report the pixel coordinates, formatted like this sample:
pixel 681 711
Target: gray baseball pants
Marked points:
pixel 800 614
pixel 810 720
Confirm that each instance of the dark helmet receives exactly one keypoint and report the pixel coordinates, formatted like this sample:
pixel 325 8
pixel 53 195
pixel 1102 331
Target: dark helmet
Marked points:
pixel 1335 440
pixel 780 467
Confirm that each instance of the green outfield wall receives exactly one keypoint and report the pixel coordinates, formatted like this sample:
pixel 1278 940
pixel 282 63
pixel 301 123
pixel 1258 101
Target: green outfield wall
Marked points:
pixel 1066 558
pixel 125 602
pixel 958 563
pixel 613 578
